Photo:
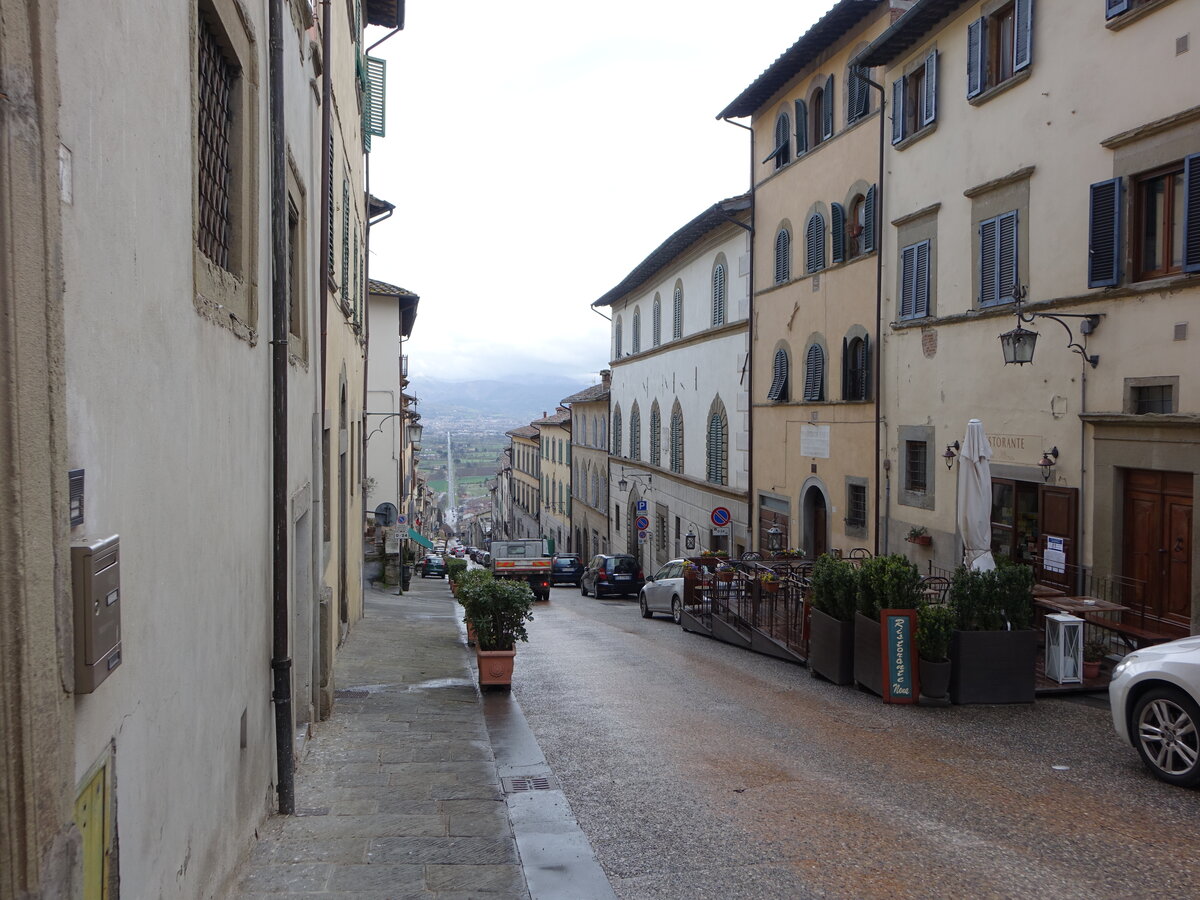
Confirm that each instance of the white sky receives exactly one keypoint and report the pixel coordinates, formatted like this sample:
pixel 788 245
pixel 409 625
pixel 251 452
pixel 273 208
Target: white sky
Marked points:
pixel 537 150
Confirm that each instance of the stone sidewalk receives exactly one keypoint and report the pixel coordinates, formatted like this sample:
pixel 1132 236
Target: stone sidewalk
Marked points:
pixel 398 794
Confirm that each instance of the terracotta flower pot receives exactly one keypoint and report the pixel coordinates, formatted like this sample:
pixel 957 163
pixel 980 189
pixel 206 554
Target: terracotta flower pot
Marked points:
pixel 724 576
pixel 495 667
pixel 770 587
pixel 1091 669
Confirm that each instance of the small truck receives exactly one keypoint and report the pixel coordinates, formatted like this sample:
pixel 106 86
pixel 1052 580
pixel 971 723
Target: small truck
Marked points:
pixel 525 560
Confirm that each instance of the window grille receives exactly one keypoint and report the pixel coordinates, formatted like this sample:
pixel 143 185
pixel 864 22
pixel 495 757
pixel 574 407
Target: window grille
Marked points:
pixel 915 454
pixel 215 127
pixel 856 516
pixel 779 379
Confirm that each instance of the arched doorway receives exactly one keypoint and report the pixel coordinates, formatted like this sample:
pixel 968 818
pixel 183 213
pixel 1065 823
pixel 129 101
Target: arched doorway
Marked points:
pixel 815 519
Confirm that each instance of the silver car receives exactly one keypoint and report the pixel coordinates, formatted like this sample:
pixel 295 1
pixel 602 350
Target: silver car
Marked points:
pixel 664 592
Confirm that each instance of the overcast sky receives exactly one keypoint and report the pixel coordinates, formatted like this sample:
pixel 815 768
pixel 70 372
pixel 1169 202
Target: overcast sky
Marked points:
pixel 538 150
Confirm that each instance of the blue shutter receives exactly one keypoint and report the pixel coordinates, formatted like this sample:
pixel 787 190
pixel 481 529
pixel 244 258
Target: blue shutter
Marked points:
pixel 814 375
pixel 868 237
pixel 988 294
pixel 897 110
pixel 815 243
pixel 1104 234
pixel 1191 213
pixel 921 281
pixel 1006 254
pixel 1115 8
pixel 929 112
pixel 1023 35
pixel 975 34
pixel 838 225
pixel 827 110
pixel 908 266
pixel 847 365
pixel 801 127
pixel 783 250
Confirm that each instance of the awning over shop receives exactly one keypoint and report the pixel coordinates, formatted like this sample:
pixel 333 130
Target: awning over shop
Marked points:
pixel 420 539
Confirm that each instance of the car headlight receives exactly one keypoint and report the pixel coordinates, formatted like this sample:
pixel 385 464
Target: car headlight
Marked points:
pixel 1121 667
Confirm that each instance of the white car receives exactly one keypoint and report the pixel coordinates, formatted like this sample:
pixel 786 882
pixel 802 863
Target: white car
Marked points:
pixel 664 591
pixel 1155 700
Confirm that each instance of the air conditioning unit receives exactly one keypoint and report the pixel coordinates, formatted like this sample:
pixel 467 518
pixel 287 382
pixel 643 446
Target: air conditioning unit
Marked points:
pixel 1064 649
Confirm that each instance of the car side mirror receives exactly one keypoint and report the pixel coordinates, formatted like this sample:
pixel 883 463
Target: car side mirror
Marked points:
pixel 651 578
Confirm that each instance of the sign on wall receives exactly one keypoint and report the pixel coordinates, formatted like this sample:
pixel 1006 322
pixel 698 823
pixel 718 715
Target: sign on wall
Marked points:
pixel 898 639
pixel 814 441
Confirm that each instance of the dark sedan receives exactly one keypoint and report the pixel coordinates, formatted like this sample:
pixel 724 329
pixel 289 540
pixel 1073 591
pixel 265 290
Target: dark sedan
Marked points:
pixel 566 568
pixel 433 566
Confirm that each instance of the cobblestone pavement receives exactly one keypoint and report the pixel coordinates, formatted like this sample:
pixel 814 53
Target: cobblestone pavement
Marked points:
pixel 398 794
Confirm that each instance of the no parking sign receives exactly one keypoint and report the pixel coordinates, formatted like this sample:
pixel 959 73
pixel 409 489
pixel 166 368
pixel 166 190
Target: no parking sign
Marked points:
pixel 721 516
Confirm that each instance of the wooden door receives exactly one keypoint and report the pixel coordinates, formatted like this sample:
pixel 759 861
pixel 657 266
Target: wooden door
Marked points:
pixel 1158 549
pixel 1057 516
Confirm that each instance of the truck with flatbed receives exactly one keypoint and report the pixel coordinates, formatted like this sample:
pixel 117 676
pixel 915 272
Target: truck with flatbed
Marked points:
pixel 525 560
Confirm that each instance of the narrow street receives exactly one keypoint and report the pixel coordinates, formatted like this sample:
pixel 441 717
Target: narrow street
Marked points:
pixel 699 770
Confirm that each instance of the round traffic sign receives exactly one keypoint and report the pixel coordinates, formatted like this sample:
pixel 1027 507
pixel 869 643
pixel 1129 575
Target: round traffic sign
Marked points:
pixel 642 523
pixel 721 516
pixel 401 519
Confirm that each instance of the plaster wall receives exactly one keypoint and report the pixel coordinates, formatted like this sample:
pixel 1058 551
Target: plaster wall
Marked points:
pixel 169 414
pixel 385 445
pixel 589 454
pixel 556 515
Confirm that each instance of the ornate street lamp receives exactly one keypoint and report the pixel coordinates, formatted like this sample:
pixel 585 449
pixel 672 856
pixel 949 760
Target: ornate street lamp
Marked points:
pixel 1047 463
pixel 1018 345
pixel 774 539
pixel 951 454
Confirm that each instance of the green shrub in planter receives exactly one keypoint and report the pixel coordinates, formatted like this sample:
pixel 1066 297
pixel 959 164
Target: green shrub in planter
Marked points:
pixel 499 608
pixel 455 569
pixel 834 587
pixel 470 583
pixel 999 600
pixel 888 582
pixel 934 626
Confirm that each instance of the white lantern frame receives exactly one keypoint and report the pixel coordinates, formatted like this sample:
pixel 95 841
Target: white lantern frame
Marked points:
pixel 1064 648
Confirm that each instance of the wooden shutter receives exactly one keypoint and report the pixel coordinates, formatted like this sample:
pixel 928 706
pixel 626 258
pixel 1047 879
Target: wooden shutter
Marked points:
pixel 779 379
pixel 868 235
pixel 376 96
pixel 635 434
pixel 815 243
pixel 847 365
pixel 838 227
pixel 827 110
pixel 929 107
pixel 1006 254
pixel 988 293
pixel 975 35
pixel 1104 234
pixel 718 295
pixel 656 322
pixel 1115 8
pixel 655 437
pixel 814 374
pixel 908 268
pixel 1022 34
pixel 867 384
pixel 801 127
pixel 1191 213
pixel 921 281
pixel 783 138
pixel 782 256
pixel 637 339
pixel 897 110
pixel 677 313
pixel 345 239
pixel 617 333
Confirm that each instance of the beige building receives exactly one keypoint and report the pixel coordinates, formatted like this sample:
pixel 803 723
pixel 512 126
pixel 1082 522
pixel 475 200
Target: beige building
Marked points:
pixel 814 340
pixel 526 487
pixel 589 467
pixel 555 440
pixel 1021 151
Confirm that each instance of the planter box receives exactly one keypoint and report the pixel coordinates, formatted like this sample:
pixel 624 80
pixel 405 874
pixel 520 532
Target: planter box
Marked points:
pixel 923 540
pixel 992 666
pixel 831 648
pixel 868 654
pixel 935 679
pixel 495 667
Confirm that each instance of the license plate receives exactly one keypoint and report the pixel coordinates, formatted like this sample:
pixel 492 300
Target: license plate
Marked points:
pixel 623 577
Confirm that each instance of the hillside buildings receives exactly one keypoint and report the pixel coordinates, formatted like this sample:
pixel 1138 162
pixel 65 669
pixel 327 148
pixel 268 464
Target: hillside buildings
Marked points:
pixel 589 467
pixel 554 434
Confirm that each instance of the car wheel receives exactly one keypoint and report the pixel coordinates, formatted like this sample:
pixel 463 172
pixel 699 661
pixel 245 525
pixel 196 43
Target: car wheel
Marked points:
pixel 582 590
pixel 676 611
pixel 646 614
pixel 1166 727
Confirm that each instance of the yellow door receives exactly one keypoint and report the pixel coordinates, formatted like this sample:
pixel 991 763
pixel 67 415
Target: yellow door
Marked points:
pixel 91 816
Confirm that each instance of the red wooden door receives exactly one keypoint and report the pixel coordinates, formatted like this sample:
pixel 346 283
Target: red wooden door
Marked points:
pixel 1158 548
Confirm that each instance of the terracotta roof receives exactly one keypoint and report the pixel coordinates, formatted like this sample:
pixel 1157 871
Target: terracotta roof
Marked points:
pixel 525 431
pixel 388 13
pixel 589 395
pixel 907 31
pixel 718 214
pixel 389 290
pixel 559 418
pixel 832 27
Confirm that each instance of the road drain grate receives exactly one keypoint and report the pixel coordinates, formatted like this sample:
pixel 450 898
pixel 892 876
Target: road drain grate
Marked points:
pixel 351 695
pixel 520 784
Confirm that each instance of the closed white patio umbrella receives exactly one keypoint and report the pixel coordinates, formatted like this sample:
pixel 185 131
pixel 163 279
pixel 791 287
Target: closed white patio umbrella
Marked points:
pixel 975 498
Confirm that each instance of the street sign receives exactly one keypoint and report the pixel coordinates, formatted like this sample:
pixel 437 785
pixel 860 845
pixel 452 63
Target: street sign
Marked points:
pixel 401 519
pixel 643 536
pixel 721 516
pixel 642 523
pixel 643 506
pixel 720 531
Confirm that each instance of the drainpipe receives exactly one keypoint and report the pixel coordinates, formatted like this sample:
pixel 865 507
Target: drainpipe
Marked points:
pixel 281 662
pixel 878 306
pixel 751 505
pixel 326 190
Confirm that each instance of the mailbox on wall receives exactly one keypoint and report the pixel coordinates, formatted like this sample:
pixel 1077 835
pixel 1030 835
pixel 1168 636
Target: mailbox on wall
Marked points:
pixel 96 586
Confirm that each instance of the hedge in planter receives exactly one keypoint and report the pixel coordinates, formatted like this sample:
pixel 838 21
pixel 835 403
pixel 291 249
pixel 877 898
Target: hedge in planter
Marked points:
pixel 831 640
pixel 993 649
pixel 884 582
pixel 499 608
pixel 935 626
pixel 470 583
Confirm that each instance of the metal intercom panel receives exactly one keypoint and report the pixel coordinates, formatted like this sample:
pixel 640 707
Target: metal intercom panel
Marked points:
pixel 96 585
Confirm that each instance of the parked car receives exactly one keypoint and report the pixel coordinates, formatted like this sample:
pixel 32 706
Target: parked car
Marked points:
pixel 565 568
pixel 433 567
pixel 1155 700
pixel 616 574
pixel 663 592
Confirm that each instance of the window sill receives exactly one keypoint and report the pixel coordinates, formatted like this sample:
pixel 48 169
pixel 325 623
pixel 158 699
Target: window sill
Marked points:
pixel 911 139
pixel 1020 78
pixel 1128 18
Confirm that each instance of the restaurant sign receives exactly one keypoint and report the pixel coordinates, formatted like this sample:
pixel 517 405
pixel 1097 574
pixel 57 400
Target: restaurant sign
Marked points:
pixel 900 682
pixel 1016 448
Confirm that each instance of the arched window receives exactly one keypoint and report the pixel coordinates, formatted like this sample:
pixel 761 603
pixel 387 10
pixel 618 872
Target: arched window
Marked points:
pixel 595 490
pixel 637 332
pixel 718 295
pixel 783 141
pixel 855 375
pixel 818 116
pixel 856 223
pixel 603 445
pixel 717 469
pixel 583 431
pixel 635 433
pixel 783 259
pixel 616 438
pixel 617 338
pixel 677 313
pixel 655 435
pixel 814 242
pixel 677 438
pixel 656 321
pixel 778 392
pixel 814 374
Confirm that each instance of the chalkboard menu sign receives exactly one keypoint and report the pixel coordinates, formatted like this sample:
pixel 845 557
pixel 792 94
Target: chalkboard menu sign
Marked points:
pixel 898 639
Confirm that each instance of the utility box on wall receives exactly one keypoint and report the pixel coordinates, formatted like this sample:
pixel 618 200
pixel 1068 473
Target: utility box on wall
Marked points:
pixel 96 587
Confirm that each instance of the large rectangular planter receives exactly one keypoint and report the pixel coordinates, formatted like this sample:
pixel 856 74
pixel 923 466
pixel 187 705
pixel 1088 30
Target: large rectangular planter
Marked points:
pixel 831 648
pixel 868 654
pixel 495 667
pixel 993 666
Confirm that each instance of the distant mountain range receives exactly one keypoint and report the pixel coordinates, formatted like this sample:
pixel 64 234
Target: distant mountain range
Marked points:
pixel 488 404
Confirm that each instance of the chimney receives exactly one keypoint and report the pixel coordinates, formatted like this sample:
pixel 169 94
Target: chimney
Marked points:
pixel 900 7
pixel 606 377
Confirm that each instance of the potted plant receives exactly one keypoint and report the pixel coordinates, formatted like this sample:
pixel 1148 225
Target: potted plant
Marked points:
pixel 1094 652
pixel 919 535
pixel 935 624
pixel 993 647
pixel 724 572
pixel 769 582
pixel 884 582
pixel 834 590
pixel 455 570
pixel 499 608
pixel 469 584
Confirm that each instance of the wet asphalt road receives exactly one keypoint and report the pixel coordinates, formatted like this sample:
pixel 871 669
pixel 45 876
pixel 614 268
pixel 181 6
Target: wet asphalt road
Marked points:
pixel 698 770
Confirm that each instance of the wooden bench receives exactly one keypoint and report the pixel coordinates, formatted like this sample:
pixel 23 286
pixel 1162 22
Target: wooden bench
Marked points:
pixel 1132 636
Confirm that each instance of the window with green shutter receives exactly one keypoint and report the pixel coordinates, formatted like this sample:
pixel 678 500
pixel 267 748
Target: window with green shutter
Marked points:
pixel 655 435
pixel 345 238
pixel 677 313
pixel 635 432
pixel 677 438
pixel 718 448
pixel 718 295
